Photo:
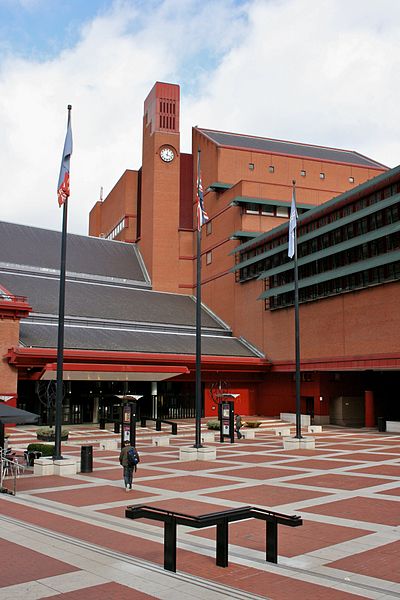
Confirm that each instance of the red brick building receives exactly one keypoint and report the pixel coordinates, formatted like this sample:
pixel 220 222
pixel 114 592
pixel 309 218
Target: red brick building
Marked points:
pixel 248 183
pixel 130 307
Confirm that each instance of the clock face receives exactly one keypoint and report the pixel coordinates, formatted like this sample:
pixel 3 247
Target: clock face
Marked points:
pixel 167 154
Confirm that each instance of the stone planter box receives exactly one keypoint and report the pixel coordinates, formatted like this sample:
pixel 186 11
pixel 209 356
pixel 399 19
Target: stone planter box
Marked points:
pixel 50 438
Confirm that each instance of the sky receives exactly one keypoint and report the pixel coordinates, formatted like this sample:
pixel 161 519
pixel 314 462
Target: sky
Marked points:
pixel 316 71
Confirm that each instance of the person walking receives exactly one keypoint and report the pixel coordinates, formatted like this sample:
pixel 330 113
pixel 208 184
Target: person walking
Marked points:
pixel 238 424
pixel 128 459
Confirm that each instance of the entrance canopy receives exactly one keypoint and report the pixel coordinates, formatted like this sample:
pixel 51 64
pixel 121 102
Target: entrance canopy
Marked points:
pixel 102 372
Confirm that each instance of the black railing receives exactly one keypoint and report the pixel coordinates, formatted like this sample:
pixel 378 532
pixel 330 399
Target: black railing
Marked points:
pixel 158 422
pixel 221 519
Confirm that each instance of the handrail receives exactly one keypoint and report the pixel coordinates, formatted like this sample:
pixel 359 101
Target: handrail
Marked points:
pixel 174 426
pixel 7 464
pixel 221 520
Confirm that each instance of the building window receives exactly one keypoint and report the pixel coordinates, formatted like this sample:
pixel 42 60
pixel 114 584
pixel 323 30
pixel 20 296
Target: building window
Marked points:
pixel 268 211
pixel 282 211
pixel 208 227
pixel 117 230
pixel 303 173
pixel 271 169
pixel 351 179
pixel 322 175
pixel 251 166
pixel 209 258
pixel 252 208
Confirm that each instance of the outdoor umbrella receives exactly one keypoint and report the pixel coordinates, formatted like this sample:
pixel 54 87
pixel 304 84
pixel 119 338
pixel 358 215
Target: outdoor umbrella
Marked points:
pixel 10 414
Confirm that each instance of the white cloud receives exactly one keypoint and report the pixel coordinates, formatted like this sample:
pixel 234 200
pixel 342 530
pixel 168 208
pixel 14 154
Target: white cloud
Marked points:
pixel 322 72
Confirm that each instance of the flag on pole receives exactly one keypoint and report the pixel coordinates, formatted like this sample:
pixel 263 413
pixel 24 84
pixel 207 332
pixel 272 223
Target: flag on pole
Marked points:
pixel 63 180
pixel 202 216
pixel 292 225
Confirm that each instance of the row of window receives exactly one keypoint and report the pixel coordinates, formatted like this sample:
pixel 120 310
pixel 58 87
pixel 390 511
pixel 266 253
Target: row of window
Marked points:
pixel 266 210
pixel 269 210
pixel 355 281
pixel 303 172
pixel 391 216
pixel 351 208
pixel 371 222
pixel 373 248
pixel 331 262
pixel 117 230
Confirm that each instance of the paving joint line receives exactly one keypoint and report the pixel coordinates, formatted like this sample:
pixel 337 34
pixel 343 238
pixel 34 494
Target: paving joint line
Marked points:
pixel 180 576
pixel 241 556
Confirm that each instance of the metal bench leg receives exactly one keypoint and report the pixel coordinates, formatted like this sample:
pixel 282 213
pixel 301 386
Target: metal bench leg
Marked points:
pixel 272 542
pixel 170 545
pixel 222 544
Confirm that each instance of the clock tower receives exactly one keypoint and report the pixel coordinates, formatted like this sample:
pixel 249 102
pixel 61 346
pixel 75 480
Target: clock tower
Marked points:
pixel 159 211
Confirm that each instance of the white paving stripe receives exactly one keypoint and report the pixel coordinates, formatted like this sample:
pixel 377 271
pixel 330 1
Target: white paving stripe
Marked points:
pixel 107 566
pixel 315 561
pixel 50 586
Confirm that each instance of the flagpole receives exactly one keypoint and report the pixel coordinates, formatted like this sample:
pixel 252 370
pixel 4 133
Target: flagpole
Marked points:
pixel 61 312
pixel 198 404
pixel 297 323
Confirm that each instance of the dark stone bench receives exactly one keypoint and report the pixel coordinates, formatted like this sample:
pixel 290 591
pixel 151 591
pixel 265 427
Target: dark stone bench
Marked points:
pixel 174 426
pixel 221 519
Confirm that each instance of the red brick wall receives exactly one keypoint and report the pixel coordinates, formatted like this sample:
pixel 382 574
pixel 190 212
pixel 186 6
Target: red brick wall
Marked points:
pixel 9 336
pixel 245 404
pixel 120 203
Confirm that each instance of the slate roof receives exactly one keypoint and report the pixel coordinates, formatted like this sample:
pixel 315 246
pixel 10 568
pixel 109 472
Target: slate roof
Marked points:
pixel 40 250
pixel 250 142
pixel 108 301
pixel 107 338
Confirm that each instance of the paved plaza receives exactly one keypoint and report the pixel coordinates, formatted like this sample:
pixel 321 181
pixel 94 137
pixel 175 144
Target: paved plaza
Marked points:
pixel 67 537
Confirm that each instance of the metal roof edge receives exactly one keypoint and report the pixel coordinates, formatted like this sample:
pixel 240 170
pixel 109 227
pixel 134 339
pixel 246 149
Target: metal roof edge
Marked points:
pixel 251 347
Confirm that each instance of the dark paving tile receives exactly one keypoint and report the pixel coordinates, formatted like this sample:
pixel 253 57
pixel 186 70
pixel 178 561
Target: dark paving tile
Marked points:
pixel 340 482
pixel 93 495
pixel 383 562
pixel 20 564
pixel 385 512
pixel 266 495
pixel 293 541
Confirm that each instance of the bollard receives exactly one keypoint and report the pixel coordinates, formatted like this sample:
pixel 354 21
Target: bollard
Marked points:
pixel 381 424
pixel 86 459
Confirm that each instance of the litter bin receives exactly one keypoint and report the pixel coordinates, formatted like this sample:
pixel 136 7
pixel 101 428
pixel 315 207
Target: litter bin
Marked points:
pixel 86 459
pixel 116 427
pixel 381 424
pixel 102 423
pixel 31 457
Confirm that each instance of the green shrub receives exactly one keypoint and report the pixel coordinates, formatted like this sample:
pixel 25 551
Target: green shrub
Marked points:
pixel 253 424
pixel 213 425
pixel 45 449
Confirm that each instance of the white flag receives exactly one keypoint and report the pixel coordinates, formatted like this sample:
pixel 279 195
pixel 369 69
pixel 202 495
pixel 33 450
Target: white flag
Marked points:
pixel 292 225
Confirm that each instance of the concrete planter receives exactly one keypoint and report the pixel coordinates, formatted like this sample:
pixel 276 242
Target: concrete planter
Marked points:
pixel 50 437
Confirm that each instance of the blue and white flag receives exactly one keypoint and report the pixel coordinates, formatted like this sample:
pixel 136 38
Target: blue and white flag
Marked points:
pixel 292 225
